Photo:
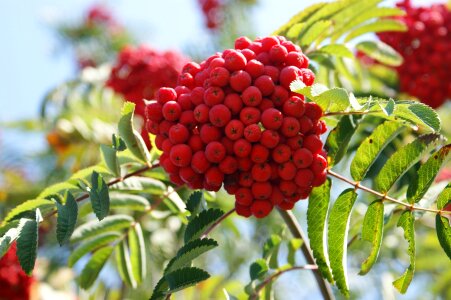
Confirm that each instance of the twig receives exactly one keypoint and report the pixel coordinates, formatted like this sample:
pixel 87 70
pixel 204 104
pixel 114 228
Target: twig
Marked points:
pixel 385 196
pixel 218 221
pixel 297 232
pixel 277 274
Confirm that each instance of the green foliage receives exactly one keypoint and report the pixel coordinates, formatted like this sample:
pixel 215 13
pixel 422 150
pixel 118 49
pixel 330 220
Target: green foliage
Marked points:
pixel 401 161
pixel 258 269
pixel 372 231
pixel 7 239
pixel 185 277
pixel 381 52
pixel 197 226
pixel 118 143
pixel 128 201
pixel 93 267
pixel 67 218
pixel 138 254
pixel 109 156
pixel 330 100
pixel 318 206
pixel 124 264
pixel 27 242
pixel 271 250
pixel 406 221
pixel 93 244
pixel 376 26
pixel 27 208
pixel 442 223
pixel 293 247
pixel 193 205
pixel 337 237
pixel 338 140
pixel 59 189
pixel 98 193
pixel 94 227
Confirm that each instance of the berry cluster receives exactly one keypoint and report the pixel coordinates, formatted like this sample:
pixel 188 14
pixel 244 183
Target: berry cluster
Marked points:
pixel 14 283
pixel 426 49
pixel 140 72
pixel 233 120
pixel 213 13
pixel 99 14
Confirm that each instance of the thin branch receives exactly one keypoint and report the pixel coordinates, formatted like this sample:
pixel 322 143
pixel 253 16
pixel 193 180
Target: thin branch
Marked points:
pixel 218 221
pixel 297 232
pixel 277 274
pixel 385 196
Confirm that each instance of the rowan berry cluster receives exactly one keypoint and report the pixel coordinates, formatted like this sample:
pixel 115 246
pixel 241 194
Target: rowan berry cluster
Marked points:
pixel 99 14
pixel 14 283
pixel 232 120
pixel 426 49
pixel 140 72
pixel 213 13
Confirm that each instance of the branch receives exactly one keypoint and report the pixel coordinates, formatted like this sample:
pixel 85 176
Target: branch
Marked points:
pixel 213 226
pixel 297 232
pixel 384 197
pixel 277 274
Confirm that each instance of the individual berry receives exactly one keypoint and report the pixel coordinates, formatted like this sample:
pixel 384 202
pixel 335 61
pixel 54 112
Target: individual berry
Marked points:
pixel 244 196
pixel 215 152
pixel 219 115
pixel 171 110
pixel 245 179
pixel 199 162
pixel 235 61
pixel 288 75
pixel 181 155
pixel 261 172
pixel 178 134
pixel 201 113
pixel 302 158
pixel 281 153
pixel 294 107
pixel 272 119
pixel 313 143
pixel 213 95
pixel 252 133
pixel 234 129
pixel 269 138
pixel 219 76
pixel 214 176
pixel 242 148
pixel 319 164
pixel 290 127
pixel 252 96
pixel 255 68
pixel 261 190
pixel 287 170
pixel 240 80
pixel 250 115
pixel 234 103
pixel 259 153
pixel 261 208
pixel 244 211
pixel 228 165
pixel 304 177
pixel 210 133
pixel 265 84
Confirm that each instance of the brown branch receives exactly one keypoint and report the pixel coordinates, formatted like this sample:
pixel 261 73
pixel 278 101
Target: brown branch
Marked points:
pixel 297 232
pixel 357 185
pixel 218 221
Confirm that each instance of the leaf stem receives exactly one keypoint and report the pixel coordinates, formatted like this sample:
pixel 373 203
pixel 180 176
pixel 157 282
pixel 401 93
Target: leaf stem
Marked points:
pixel 218 221
pixel 277 274
pixel 297 232
pixel 357 185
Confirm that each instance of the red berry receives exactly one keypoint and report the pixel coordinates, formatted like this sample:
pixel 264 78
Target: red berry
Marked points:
pixel 235 61
pixel 252 133
pixel 261 208
pixel 171 111
pixel 269 138
pixel 303 158
pixel 265 84
pixel 272 119
pixel 250 115
pixel 252 96
pixel 261 172
pixel 242 148
pixel 281 153
pixel 259 153
pixel 261 190
pixel 213 95
pixel 240 80
pixel 199 162
pixel 313 143
pixel 288 75
pixel 219 115
pixel 294 107
pixel 178 134
pixel 181 155
pixel 304 177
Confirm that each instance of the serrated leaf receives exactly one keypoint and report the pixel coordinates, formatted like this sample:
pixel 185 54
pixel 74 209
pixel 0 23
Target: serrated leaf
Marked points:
pixel 124 264
pixel 401 161
pixel 95 243
pixel 318 205
pixel 184 278
pixel 406 221
pixel 58 188
pixel 129 135
pixel 93 267
pixel 118 143
pixel 193 205
pixel 86 174
pixel 426 114
pixel 427 173
pixel 28 207
pixel 371 147
pixel 160 290
pixel 294 33
pixel 271 250
pixel 293 246
pixel 377 26
pixel 128 201
pixel 330 100
pixel 201 222
pixel 94 227
pixel 109 155
pixel 27 243
pixel 298 18
pixel 372 231
pixel 8 239
pixel 443 233
pixel 137 252
pixel 100 199
pixel 338 50
pixel 338 140
pixel 381 52
pixel 444 197
pixel 189 252
pixel 308 36
pixel 340 216
pixel 140 185
pixel 258 269
pixel 67 218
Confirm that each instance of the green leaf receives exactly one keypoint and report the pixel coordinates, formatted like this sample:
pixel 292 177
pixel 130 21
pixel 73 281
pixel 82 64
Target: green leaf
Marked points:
pixel 118 144
pixel 293 247
pixel 58 188
pixel 372 231
pixel 27 243
pixel 131 138
pixel 109 155
pixel 371 147
pixel 124 265
pixel 338 50
pixel 95 243
pixel 194 203
pixel 100 199
pixel 401 161
pixel 300 17
pixel 406 221
pixel 295 31
pixel 330 100
pixel 377 26
pixel 427 115
pixel 443 233
pixel 184 278
pixel 427 173
pixel 318 206
pixel 258 269
pixel 340 216
pixel 189 252
pixel 197 226
pixel 338 140
pixel 160 290
pixel 444 197
pixel 86 174
pixel 94 227
pixel 8 239
pixel 311 34
pixel 128 201
pixel 381 52
pixel 137 252
pixel 27 208
pixel 67 218
pixel 95 264
pixel 140 185
pixel 271 250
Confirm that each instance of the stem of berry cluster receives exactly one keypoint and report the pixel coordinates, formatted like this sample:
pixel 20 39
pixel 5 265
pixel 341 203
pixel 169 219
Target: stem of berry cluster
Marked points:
pixel 384 197
pixel 297 232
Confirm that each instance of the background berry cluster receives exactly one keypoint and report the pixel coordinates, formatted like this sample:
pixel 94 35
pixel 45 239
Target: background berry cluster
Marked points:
pixel 233 120
pixel 426 49
pixel 140 72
